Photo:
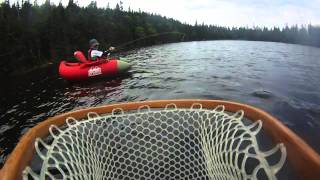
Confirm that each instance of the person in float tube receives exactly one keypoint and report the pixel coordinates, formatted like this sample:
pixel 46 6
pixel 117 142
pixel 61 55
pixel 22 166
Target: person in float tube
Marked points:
pixel 94 53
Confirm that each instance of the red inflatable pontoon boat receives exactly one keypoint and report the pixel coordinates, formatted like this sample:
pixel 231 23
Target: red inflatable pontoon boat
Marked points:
pixel 87 70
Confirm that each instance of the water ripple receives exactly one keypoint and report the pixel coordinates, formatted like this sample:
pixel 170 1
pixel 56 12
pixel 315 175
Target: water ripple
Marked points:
pixel 280 78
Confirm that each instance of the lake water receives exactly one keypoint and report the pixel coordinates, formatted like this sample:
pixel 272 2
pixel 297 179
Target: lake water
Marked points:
pixel 282 79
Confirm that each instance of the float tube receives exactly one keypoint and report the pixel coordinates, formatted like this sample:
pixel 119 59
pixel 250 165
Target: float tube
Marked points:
pixel 88 70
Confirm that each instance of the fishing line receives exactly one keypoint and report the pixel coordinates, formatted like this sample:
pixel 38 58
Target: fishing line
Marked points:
pixel 152 35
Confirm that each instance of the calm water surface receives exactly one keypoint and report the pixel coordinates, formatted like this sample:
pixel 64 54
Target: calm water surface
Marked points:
pixel 282 79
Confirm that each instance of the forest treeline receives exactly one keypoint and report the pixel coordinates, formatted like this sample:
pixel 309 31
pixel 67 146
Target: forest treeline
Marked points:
pixel 33 34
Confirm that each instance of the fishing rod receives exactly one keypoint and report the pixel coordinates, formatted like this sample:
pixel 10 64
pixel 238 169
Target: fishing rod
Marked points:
pixel 152 35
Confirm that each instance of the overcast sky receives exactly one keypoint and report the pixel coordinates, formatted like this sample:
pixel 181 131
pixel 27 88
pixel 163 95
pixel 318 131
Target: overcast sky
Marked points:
pixel 225 12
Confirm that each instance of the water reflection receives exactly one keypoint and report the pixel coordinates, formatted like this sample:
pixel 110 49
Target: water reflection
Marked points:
pixel 76 91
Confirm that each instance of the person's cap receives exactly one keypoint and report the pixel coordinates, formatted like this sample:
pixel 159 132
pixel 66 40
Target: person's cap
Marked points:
pixel 93 43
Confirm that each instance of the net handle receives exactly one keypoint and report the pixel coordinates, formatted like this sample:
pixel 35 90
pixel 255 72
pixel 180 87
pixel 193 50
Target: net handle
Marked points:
pixel 304 160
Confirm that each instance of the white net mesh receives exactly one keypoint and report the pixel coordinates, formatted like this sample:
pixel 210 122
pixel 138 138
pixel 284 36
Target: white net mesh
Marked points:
pixel 168 143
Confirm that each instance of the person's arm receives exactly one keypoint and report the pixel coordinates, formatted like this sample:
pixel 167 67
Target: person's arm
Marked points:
pixel 107 52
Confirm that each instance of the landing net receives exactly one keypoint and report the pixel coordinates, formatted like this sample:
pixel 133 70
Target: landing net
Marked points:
pixel 170 143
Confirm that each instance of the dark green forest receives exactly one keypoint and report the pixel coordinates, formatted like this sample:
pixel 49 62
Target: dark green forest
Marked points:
pixel 33 34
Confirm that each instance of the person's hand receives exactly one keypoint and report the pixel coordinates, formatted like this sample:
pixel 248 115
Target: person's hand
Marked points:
pixel 112 48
